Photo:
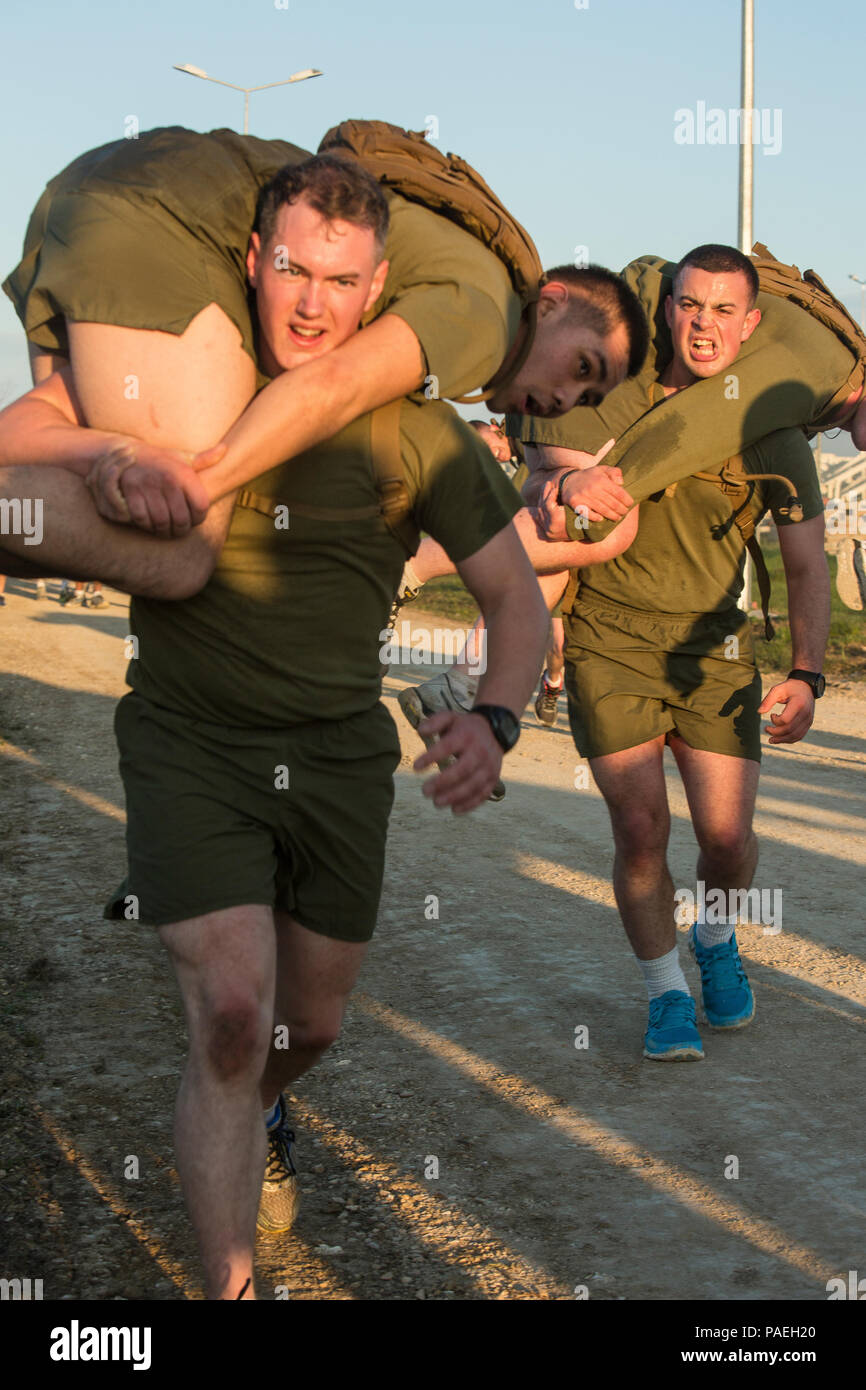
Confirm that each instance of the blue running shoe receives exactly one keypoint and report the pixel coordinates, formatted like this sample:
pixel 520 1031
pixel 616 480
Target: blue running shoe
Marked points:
pixel 672 1035
pixel 727 995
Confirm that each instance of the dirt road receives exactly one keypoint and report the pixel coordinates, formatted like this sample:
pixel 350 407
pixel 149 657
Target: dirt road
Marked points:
pixel 485 1128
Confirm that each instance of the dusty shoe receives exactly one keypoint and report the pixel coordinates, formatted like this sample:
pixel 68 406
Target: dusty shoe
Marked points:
pixel 850 574
pixel 451 690
pixel 545 701
pixel 278 1206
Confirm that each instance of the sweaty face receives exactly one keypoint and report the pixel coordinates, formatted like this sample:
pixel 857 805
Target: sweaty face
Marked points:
pixel 568 365
pixel 709 318
pixel 313 282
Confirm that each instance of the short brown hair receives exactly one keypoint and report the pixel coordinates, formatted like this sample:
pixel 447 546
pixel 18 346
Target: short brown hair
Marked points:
pixel 601 300
pixel 337 188
pixel 718 259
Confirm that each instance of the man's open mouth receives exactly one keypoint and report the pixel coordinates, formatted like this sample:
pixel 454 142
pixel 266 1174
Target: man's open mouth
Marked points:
pixel 304 336
pixel 704 349
pixel 532 407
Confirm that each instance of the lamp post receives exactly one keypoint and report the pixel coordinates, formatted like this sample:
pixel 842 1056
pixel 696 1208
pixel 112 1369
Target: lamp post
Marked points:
pixel 862 283
pixel 295 77
pixel 747 102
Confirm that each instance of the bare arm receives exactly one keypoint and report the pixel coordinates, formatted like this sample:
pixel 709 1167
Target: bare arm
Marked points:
pixel 303 407
pixel 500 579
pixel 808 581
pixel 549 557
pixel 46 427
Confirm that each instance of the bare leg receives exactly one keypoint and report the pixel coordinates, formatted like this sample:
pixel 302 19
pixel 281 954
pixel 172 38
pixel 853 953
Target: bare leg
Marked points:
pixel 80 544
pixel 721 793
pixel 555 659
pixel 182 391
pixel 633 786
pixel 552 587
pixel 315 975
pixel 224 963
pixel 43 364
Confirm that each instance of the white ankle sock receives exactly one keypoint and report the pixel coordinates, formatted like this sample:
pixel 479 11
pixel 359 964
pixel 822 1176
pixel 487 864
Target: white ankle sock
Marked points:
pixel 663 974
pixel 555 684
pixel 272 1115
pixel 717 933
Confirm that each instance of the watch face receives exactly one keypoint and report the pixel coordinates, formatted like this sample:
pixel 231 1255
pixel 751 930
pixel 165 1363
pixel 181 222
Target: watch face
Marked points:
pixel 820 687
pixel 506 729
pixel 509 726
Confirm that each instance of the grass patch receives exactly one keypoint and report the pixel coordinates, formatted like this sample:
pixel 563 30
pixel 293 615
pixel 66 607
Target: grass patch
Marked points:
pixel 846 648
pixel 846 645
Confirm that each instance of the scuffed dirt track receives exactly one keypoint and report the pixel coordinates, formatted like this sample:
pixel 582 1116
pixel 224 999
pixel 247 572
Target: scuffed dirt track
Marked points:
pixel 558 1167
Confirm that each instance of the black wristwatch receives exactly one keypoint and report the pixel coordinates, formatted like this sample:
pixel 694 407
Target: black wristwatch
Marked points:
pixel 812 678
pixel 506 729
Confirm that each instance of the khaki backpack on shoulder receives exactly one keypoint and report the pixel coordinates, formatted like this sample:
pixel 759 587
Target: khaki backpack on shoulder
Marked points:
pixel 810 293
pixel 405 162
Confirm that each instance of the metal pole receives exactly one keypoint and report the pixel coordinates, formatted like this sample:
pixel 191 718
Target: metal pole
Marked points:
pixel 246 112
pixel 747 102
pixel 745 232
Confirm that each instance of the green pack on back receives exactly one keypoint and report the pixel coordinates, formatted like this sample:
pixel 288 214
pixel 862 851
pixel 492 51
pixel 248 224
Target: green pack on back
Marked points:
pixel 810 293
pixel 405 162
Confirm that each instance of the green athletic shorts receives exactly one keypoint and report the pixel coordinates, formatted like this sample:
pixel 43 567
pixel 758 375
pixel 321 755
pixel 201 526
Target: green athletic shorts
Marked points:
pixel 153 272
pixel 208 826
pixel 631 676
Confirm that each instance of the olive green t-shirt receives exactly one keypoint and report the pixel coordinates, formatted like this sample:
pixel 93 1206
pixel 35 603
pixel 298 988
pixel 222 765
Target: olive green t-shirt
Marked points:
pixel 688 555
pixel 454 293
pixel 785 375
pixel 287 630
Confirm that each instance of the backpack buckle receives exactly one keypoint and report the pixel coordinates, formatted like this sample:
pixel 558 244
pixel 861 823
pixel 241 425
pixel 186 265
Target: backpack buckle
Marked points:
pixel 393 498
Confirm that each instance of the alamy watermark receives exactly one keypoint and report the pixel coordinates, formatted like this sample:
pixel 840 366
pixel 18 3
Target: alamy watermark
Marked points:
pixel 22 516
pixel 408 644
pixel 759 906
pixel 845 516
pixel 716 126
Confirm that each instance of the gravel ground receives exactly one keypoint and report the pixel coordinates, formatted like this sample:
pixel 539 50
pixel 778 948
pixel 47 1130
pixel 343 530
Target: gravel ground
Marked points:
pixel 455 1143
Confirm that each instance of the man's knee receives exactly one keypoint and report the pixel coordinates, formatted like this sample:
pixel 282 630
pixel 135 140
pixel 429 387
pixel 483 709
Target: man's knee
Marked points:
pixel 315 1034
pixel 641 834
pixel 190 562
pixel 233 1031
pixel 186 567
pixel 726 846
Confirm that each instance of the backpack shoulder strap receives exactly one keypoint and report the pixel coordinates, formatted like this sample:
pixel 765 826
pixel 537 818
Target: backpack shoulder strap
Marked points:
pixel 739 487
pixel 394 505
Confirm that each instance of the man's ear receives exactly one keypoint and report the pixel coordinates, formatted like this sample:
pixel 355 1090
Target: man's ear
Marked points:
pixel 669 309
pixel 377 284
pixel 553 295
pixel 254 250
pixel 750 323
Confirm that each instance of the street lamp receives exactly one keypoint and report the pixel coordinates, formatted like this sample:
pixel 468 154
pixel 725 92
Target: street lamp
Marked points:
pixel 295 77
pixel 862 283
pixel 744 217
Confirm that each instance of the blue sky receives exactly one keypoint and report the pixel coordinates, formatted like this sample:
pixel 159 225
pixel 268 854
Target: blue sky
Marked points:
pixel 568 112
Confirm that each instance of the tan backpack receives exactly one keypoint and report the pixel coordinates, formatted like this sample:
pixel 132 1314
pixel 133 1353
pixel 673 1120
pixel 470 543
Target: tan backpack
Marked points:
pixel 404 161
pixel 810 293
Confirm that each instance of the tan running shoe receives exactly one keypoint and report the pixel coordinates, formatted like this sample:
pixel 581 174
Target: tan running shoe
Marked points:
pixel 280 1197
